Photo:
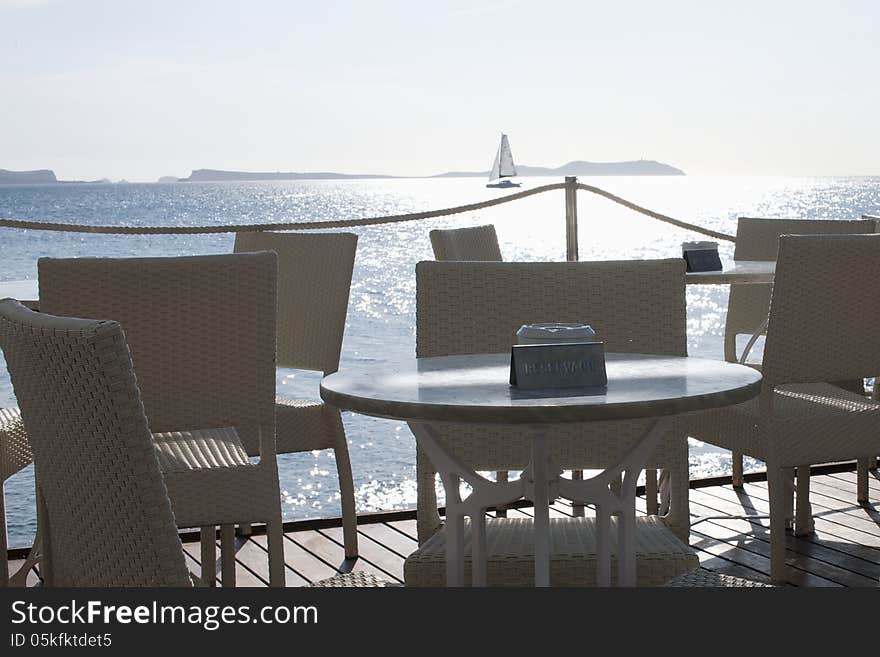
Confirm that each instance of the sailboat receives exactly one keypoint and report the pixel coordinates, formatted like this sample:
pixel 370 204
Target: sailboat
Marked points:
pixel 503 166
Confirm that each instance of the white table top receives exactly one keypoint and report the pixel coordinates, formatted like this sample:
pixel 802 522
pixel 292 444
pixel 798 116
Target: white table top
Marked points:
pixel 476 389
pixel 741 271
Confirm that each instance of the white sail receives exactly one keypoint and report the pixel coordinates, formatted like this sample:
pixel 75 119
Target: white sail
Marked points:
pixel 503 166
pixel 496 167
pixel 506 166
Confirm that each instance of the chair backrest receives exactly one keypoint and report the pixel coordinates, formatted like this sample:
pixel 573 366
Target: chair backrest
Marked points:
pixel 201 330
pixel 314 282
pixel 823 318
pixel 477 307
pixel 757 239
pixel 472 243
pixel 109 520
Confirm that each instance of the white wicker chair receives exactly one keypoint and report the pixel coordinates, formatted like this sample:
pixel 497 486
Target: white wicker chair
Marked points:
pixel 201 331
pixel 471 243
pixel 314 282
pixel 15 456
pixel 476 307
pixel 821 328
pixel 701 578
pixel 104 504
pixel 748 304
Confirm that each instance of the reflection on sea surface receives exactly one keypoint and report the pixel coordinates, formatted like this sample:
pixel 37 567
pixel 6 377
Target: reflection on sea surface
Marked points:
pixel 381 320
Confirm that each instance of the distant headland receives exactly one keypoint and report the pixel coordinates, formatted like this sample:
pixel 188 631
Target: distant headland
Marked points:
pixel 37 177
pixel 582 168
pixel 218 175
pixel 576 168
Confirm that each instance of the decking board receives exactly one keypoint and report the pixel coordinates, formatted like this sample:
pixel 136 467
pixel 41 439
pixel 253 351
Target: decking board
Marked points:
pixel 843 551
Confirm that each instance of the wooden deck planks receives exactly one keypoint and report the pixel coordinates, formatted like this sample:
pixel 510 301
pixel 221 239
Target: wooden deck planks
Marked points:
pixel 843 551
pixel 389 563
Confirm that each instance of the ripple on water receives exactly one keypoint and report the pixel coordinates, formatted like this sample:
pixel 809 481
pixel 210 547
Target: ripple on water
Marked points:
pixel 381 317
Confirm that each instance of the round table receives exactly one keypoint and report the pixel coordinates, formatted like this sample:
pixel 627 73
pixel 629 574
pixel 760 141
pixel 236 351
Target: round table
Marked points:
pixel 476 389
pixel 741 271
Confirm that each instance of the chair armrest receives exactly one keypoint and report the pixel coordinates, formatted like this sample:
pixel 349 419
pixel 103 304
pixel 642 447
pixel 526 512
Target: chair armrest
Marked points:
pixel 761 330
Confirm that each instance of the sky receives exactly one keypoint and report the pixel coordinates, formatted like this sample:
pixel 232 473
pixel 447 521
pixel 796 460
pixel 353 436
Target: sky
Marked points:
pixel 139 89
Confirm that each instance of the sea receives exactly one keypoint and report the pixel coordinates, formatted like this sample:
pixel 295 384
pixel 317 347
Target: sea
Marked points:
pixel 381 313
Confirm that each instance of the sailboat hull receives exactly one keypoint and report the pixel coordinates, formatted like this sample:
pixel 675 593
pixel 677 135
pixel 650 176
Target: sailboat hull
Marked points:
pixel 504 184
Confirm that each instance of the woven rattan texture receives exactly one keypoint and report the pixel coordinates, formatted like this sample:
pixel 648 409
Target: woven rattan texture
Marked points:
pixel 180 451
pixel 358 579
pixel 476 307
pixel 757 239
pixel 660 554
pixel 706 578
pixel 472 243
pixel 15 455
pixel 108 516
pixel 201 331
pixel 314 279
pixel 822 325
pixel 15 451
pixel 802 419
pixel 201 338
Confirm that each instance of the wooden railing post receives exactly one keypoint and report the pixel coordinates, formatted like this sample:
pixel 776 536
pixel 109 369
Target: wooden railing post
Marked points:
pixel 571 254
pixel 571 219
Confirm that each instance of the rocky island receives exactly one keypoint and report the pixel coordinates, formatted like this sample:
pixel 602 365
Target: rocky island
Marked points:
pixel 37 177
pixel 576 168
pixel 582 168
pixel 218 175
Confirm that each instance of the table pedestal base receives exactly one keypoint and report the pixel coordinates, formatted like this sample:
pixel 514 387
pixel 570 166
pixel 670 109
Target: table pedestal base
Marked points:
pixel 542 483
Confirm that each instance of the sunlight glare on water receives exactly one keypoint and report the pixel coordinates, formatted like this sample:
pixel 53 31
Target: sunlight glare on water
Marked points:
pixel 381 317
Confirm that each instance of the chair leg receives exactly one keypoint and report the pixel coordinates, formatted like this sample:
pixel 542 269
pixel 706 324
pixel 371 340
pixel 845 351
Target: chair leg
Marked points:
pixel 45 544
pixel 577 510
pixel 34 557
pixel 4 562
pixel 227 555
pixel 862 478
pixel 502 476
pixel 275 542
pixel 346 490
pixel 651 492
pixel 209 556
pixel 803 523
pixel 778 492
pixel 788 477
pixel 737 473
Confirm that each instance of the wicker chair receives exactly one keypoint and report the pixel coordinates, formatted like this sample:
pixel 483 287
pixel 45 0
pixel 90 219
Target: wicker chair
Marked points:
pixel 104 504
pixel 314 281
pixel 476 307
pixel 472 243
pixel 15 456
pixel 821 328
pixel 701 578
pixel 201 331
pixel 748 304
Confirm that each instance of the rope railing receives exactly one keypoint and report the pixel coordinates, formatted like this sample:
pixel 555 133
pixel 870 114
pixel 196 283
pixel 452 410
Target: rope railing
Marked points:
pixel 656 215
pixel 344 223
